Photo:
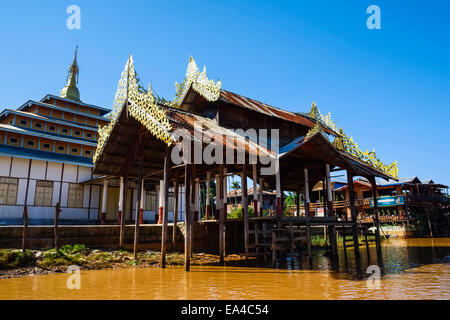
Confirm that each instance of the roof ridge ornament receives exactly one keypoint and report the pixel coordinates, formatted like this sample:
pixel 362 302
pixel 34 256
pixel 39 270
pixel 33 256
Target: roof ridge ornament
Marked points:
pixel 199 81
pixel 140 104
pixel 325 120
pixel 348 145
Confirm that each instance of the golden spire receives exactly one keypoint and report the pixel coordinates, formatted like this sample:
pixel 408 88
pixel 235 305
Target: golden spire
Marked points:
pixel 70 91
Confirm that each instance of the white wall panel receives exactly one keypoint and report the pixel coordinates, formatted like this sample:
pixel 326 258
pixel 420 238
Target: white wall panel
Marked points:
pixel 55 197
pixel 31 192
pixel 54 171
pixel 5 164
pixel 38 170
pixel 21 191
pixel 70 173
pixel 64 193
pixel 86 197
pixel 84 174
pixel 19 168
pixel 95 196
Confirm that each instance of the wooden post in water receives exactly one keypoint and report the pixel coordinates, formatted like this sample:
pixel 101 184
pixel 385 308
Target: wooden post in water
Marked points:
pixel 219 196
pixel 166 208
pixel 25 228
pixel 333 234
pixel 175 215
pixel 377 221
pixel 187 220
pixel 307 213
pixel 245 206
pixel 124 211
pixel 138 203
pixel 353 213
pixel 55 227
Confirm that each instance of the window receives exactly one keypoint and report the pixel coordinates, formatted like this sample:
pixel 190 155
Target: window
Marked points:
pixel 30 143
pixel 89 135
pixel 52 128
pixel 38 125
pixel 13 140
pixel 150 201
pixel 46 145
pixel 44 193
pixel 60 148
pixel 23 122
pixel 77 133
pixel 87 151
pixel 64 130
pixel 8 191
pixel 75 196
pixel 74 150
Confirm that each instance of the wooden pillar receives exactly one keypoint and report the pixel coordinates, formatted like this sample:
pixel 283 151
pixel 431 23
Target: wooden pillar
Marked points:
pixel 161 202
pixel 208 197
pixel 187 217
pixel 219 204
pixel 175 214
pixel 191 212
pixel 138 205
pixel 329 191
pixel 278 187
pixel 218 196
pixel 104 202
pixel 307 200
pixel 119 212
pixel 297 203
pixel 225 196
pixel 56 224
pixel 142 206
pixel 255 190
pixel 375 209
pixel 124 210
pixel 166 208
pixel 354 214
pixel 260 200
pixel 245 207
pixel 196 200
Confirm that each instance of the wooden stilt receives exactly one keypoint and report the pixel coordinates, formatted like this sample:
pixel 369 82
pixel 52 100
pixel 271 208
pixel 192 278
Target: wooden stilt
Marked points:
pixel 191 211
pixel 175 215
pixel 225 212
pixel 124 211
pixel 297 203
pixel 25 228
pixel 166 208
pixel 278 187
pixel 55 228
pixel 138 205
pixel 187 223
pixel 245 207
pixel 377 221
pixel 220 192
pixel 353 213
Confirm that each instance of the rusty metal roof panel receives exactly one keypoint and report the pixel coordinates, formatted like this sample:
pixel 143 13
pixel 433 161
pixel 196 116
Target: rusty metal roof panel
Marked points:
pixel 264 108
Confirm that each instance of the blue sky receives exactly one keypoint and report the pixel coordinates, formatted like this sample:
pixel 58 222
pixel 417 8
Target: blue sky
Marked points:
pixel 387 88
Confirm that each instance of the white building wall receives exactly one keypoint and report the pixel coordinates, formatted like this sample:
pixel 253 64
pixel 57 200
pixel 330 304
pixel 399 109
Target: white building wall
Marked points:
pixel 21 191
pixel 84 174
pixel 5 165
pixel 64 193
pixel 70 173
pixel 54 171
pixel 55 198
pixel 31 192
pixel 19 168
pixel 38 169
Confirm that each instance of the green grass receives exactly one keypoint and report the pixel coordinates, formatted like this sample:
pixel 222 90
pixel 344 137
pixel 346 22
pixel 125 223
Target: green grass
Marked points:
pixel 10 259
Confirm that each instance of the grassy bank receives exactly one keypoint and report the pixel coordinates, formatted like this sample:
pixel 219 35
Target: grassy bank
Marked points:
pixel 14 262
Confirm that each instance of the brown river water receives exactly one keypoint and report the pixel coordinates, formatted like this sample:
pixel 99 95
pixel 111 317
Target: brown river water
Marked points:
pixel 410 269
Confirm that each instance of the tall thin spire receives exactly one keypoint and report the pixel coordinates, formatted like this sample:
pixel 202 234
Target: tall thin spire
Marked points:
pixel 70 91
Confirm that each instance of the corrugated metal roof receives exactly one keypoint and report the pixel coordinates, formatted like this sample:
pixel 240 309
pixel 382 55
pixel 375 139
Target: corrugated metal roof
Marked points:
pixel 241 101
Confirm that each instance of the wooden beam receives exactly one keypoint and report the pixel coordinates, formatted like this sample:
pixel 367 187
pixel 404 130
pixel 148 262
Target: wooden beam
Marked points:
pixel 244 196
pixel 187 223
pixel 166 209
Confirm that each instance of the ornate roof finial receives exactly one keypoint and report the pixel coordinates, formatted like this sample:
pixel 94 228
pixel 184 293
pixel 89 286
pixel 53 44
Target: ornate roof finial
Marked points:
pixel 70 91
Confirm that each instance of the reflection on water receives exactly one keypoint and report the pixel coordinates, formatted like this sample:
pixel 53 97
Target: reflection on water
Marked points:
pixel 411 269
